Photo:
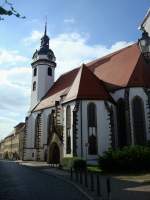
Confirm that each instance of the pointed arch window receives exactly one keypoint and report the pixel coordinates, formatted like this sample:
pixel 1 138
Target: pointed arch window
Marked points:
pixel 49 71
pixel 121 123
pixel 138 114
pixel 50 126
pixel 92 129
pixel 68 129
pixel 38 130
pixel 35 72
pixel 34 86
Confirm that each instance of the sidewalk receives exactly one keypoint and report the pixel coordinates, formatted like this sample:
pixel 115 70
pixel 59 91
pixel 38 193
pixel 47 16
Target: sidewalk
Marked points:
pixel 120 189
pixel 33 163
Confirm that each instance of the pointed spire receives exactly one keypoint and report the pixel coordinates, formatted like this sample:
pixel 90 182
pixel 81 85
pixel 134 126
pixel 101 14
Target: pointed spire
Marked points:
pixel 45 32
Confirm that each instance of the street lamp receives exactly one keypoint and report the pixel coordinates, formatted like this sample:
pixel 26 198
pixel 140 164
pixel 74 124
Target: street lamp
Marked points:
pixel 144 43
pixel 86 147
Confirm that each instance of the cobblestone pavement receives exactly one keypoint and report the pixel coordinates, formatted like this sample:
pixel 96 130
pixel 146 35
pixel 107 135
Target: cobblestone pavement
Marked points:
pixel 21 183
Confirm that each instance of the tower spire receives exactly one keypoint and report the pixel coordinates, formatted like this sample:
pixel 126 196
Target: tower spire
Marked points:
pixel 45 32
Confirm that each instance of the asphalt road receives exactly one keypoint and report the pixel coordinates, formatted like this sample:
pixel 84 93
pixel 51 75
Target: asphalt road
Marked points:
pixel 22 183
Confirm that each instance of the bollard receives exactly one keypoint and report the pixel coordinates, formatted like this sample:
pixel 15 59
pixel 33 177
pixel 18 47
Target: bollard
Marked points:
pixel 98 185
pixel 108 188
pixel 71 173
pixel 92 181
pixel 76 174
pixel 81 181
pixel 85 179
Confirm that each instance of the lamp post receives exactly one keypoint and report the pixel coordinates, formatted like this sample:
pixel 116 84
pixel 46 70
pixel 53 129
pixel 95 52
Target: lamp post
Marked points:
pixel 86 146
pixel 144 43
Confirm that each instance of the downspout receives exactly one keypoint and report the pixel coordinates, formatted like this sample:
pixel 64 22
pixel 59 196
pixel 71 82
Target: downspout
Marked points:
pixel 81 129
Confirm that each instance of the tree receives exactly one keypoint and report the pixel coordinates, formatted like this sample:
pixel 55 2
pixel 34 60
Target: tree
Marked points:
pixel 7 9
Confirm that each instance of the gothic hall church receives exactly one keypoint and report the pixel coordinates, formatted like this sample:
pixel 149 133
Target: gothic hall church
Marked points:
pixel 98 105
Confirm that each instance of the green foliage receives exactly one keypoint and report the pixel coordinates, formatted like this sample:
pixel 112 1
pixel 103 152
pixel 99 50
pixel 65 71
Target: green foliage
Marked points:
pixel 127 159
pixel 74 162
pixel 67 163
pixel 10 10
pixel 79 165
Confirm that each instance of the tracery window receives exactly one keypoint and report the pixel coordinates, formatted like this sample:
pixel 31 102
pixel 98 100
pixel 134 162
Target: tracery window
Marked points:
pixel 139 128
pixel 50 125
pixel 121 123
pixel 68 129
pixel 92 129
pixel 38 129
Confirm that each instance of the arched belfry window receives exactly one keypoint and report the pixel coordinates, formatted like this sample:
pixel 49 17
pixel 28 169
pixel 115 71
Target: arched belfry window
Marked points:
pixel 92 128
pixel 68 129
pixel 139 128
pixel 121 123
pixel 34 86
pixel 35 72
pixel 49 71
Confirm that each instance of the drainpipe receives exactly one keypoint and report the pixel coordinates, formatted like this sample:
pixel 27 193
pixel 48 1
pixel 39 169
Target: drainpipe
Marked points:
pixel 81 128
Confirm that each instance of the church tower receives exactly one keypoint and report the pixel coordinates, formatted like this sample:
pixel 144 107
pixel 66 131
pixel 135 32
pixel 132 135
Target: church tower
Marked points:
pixel 43 68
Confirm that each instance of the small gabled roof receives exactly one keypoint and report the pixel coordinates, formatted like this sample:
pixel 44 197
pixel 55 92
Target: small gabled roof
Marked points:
pixel 87 86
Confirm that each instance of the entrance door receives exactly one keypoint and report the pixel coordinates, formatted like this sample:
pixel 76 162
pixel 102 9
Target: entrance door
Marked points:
pixel 54 154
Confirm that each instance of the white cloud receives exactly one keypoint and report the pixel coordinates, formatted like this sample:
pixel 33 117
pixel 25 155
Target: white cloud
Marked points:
pixel 12 57
pixel 69 21
pixel 73 49
pixel 14 97
pixel 34 37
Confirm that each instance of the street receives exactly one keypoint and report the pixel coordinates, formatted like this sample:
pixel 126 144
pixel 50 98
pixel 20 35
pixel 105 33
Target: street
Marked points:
pixel 23 183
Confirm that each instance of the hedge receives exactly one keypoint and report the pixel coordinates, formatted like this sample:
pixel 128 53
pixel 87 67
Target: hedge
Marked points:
pixel 128 159
pixel 74 162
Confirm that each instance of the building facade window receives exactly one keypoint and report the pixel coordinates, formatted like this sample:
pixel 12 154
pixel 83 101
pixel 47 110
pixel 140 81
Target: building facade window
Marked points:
pixel 38 131
pixel 92 129
pixel 34 86
pixel 49 71
pixel 35 72
pixel 68 129
pixel 138 114
pixel 121 124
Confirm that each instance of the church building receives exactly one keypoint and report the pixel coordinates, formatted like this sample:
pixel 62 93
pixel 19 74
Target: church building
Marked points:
pixel 104 103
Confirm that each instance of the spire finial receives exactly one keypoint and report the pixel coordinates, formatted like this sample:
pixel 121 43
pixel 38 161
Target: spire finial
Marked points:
pixel 45 32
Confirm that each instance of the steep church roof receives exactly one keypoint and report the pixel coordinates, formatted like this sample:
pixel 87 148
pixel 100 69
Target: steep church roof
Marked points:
pixel 87 86
pixel 123 68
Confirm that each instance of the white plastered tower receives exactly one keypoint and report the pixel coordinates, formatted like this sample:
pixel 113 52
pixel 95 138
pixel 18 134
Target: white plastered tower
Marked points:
pixel 43 68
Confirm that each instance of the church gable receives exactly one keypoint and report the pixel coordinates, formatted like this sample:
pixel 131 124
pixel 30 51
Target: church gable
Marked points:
pixel 87 86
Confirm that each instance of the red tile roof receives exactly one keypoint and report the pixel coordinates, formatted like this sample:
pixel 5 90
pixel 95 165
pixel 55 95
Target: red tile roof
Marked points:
pixel 123 68
pixel 87 86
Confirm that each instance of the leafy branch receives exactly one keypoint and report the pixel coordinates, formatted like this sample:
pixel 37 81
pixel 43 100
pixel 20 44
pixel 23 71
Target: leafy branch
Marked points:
pixel 9 11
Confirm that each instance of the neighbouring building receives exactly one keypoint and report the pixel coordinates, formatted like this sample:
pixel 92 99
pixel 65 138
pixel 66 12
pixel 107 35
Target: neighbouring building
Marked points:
pixel 11 147
pixel 101 104
pixel 1 149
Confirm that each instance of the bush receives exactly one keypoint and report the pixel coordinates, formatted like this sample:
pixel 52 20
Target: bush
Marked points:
pixel 79 165
pixel 128 159
pixel 67 163
pixel 74 162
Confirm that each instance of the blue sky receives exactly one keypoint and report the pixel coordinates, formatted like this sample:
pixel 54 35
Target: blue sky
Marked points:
pixel 80 31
